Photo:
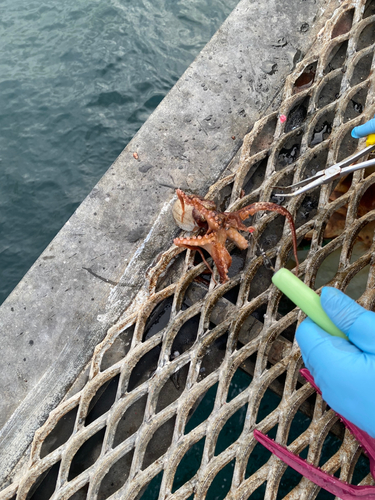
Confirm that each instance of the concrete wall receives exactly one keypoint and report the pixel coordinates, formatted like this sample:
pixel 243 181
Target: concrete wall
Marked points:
pixel 92 269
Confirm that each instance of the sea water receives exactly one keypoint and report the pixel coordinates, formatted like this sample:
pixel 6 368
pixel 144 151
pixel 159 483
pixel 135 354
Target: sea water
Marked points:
pixel 77 79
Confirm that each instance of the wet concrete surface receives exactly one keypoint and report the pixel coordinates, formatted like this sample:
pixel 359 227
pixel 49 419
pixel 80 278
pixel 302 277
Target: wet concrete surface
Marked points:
pixel 93 268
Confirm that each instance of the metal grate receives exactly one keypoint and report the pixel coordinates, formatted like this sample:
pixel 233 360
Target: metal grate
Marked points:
pixel 187 341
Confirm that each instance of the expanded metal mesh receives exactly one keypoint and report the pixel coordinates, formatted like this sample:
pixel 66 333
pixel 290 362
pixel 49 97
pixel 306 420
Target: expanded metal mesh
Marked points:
pixel 139 418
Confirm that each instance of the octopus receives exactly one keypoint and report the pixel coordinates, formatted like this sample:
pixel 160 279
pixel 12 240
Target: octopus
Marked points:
pixel 220 227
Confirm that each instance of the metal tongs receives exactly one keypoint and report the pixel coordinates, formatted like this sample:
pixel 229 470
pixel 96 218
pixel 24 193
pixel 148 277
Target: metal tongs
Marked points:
pixel 329 174
pixel 330 483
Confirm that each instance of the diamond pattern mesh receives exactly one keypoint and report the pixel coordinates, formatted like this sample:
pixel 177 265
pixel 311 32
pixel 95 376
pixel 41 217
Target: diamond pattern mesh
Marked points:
pixel 166 405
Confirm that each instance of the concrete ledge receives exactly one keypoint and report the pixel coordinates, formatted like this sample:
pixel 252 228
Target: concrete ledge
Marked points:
pixel 83 281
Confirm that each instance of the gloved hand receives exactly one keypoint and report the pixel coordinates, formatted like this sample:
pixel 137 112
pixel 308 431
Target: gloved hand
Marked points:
pixel 367 129
pixel 344 371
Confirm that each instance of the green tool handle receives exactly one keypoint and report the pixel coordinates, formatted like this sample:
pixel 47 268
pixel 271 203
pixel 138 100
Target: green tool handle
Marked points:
pixel 306 299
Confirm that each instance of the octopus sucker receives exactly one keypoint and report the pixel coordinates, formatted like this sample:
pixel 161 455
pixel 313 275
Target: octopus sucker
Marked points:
pixel 220 226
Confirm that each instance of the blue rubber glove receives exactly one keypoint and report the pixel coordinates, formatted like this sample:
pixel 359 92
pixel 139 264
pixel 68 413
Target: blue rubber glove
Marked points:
pixel 344 371
pixel 364 130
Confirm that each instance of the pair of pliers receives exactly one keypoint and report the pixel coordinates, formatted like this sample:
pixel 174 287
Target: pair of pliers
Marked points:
pixel 336 171
pixel 330 483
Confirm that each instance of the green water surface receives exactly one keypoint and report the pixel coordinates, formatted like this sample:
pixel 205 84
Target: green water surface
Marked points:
pixel 78 78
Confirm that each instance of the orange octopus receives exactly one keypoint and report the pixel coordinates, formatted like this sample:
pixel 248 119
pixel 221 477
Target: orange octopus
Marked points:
pixel 221 226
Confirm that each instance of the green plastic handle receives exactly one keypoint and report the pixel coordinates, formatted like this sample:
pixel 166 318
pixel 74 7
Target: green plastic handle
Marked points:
pixel 306 299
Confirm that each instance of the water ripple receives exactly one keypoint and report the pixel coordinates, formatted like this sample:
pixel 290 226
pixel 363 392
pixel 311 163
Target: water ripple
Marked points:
pixel 77 80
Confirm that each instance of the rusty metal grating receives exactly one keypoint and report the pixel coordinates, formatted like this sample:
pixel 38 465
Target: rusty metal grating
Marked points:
pixel 186 337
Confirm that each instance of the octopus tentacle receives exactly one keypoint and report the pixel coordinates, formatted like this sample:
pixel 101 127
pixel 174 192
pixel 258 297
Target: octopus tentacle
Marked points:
pixel 195 241
pixel 208 242
pixel 191 247
pixel 245 212
pixel 205 208
pixel 233 219
pixel 212 216
pixel 237 238
pixel 223 260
